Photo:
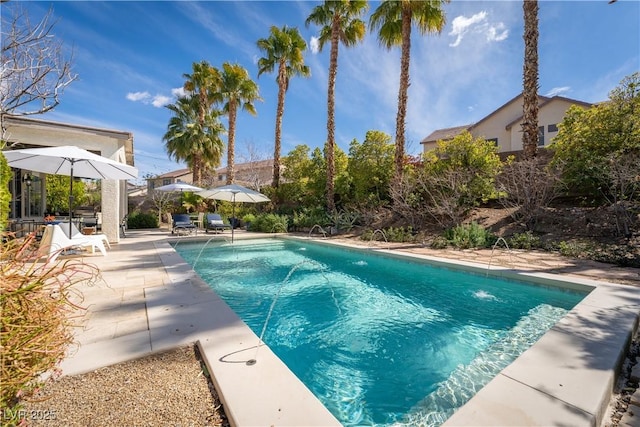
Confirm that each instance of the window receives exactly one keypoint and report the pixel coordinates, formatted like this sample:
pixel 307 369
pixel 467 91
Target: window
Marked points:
pixel 166 181
pixel 552 128
pixel 222 177
pixel 540 136
pixel 494 140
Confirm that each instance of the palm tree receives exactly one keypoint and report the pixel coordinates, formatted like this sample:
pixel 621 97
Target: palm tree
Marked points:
pixel 284 49
pixel 530 80
pixel 340 23
pixel 393 20
pixel 239 91
pixel 188 137
pixel 203 82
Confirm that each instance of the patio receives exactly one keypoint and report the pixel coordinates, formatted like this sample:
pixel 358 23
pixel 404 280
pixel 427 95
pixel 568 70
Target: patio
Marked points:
pixel 151 300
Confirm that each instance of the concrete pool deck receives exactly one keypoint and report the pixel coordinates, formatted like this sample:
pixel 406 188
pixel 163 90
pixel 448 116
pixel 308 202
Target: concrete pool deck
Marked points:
pixel 150 300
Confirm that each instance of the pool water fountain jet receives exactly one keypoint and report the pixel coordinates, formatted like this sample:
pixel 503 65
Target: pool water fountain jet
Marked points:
pixel 203 248
pixel 324 233
pixel 500 239
pixel 253 361
pixel 379 231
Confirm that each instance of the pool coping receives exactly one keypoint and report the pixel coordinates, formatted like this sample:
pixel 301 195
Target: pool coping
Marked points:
pixel 565 378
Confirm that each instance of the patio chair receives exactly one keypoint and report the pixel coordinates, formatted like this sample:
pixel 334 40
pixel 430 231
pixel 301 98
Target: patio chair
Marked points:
pixel 215 223
pixel 55 241
pixel 182 223
pixel 75 233
pixel 200 221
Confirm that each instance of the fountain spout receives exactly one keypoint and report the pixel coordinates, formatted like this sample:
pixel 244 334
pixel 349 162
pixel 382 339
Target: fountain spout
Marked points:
pixel 378 231
pixel 318 226
pixel 500 239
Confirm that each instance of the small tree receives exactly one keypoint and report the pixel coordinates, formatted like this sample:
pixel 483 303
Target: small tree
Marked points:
pixel 527 187
pixel 371 168
pixel 58 193
pixel 161 200
pixel 587 138
pixel 458 175
pixel 34 72
pixel 623 173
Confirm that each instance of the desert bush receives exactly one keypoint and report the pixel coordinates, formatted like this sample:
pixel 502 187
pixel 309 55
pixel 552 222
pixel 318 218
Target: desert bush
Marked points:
pixel 307 218
pixel 142 220
pixel 468 236
pixel 34 307
pixel 270 223
pixel 457 176
pixel 528 186
pixel 526 240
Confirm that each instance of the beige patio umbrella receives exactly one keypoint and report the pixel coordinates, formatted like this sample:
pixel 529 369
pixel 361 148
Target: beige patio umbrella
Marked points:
pixel 233 193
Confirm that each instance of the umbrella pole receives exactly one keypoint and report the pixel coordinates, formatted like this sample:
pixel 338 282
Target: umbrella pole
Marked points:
pixel 70 198
pixel 233 216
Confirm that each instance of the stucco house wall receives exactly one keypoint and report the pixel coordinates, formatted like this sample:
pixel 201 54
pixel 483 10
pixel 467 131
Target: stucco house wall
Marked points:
pixel 25 132
pixel 504 125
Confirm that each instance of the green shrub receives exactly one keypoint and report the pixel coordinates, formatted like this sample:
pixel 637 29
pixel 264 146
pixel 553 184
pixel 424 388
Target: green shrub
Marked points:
pixel 35 309
pixel 142 220
pixel 469 236
pixel 526 240
pixel 439 242
pixel 307 218
pixel 270 223
pixel 400 234
pixel 248 220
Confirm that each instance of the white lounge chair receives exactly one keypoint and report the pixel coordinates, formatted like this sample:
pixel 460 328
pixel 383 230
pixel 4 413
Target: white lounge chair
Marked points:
pixel 75 233
pixel 54 241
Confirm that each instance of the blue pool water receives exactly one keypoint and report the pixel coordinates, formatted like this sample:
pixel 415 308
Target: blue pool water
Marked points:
pixel 379 340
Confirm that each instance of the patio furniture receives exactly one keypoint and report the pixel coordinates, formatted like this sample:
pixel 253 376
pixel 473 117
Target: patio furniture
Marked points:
pixel 54 241
pixel 200 221
pixel 182 224
pixel 75 233
pixel 215 223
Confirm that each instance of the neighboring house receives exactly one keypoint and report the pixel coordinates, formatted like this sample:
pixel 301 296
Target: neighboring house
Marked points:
pixel 182 175
pixel 253 175
pixel 28 189
pixel 503 126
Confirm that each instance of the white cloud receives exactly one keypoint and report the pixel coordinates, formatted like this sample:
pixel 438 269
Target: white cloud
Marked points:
pixel 558 91
pixel 160 101
pixel 314 45
pixel 178 92
pixel 138 96
pixel 462 25
pixel 497 33
pixel 477 24
pixel 157 101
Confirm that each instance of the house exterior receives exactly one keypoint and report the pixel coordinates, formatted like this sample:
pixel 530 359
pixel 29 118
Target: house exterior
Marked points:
pixel 250 174
pixel 182 175
pixel 28 188
pixel 504 125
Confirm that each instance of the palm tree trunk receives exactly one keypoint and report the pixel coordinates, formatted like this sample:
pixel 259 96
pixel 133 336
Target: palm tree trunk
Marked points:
pixel 231 145
pixel 530 80
pixel 331 125
pixel 402 93
pixel 282 82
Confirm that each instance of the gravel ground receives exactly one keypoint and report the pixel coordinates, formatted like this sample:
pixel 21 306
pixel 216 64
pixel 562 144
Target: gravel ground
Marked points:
pixel 166 389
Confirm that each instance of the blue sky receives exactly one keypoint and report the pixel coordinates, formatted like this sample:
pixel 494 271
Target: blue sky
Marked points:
pixel 130 58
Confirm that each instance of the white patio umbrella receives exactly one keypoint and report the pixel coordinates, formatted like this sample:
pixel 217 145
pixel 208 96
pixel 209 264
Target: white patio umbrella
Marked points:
pixel 179 186
pixel 233 193
pixel 69 160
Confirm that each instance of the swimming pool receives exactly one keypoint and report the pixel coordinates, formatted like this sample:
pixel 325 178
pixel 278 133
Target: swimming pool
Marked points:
pixel 378 340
